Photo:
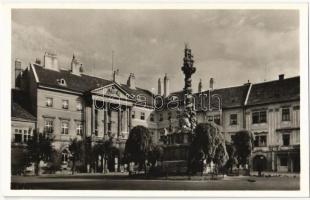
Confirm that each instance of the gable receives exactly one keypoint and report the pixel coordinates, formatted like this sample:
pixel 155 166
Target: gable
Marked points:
pixel 113 91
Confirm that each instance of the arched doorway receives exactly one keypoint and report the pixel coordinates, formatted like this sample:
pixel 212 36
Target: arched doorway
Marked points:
pixel 259 163
pixel 65 159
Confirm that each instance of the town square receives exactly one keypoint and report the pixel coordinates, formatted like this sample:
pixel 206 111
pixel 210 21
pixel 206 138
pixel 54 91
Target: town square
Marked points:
pixel 163 99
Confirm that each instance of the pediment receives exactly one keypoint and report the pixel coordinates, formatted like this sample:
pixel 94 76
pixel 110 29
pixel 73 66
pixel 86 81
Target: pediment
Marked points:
pixel 112 91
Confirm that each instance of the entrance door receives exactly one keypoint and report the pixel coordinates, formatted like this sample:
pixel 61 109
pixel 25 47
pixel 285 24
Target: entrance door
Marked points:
pixel 259 163
pixel 296 163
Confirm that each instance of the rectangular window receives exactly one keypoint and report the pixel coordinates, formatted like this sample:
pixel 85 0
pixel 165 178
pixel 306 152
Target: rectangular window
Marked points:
pixel 142 116
pixel 285 114
pixel 217 119
pixel 256 141
pixel 286 139
pixel 49 102
pixel 161 118
pixel 48 126
pixel 79 106
pixel 65 104
pixel 283 161
pixel 65 128
pixel 79 128
pixel 27 135
pixel 133 114
pixel 17 136
pixel 152 117
pixel 260 141
pixel 263 141
pixel 296 108
pixel 210 118
pixel 259 117
pixel 233 119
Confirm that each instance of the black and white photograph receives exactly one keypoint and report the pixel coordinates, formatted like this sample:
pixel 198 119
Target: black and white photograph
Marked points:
pixel 140 99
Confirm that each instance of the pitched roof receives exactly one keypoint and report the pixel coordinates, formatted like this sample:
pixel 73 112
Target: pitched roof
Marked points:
pixel 231 97
pixel 275 91
pixel 19 107
pixel 83 83
pixel 140 92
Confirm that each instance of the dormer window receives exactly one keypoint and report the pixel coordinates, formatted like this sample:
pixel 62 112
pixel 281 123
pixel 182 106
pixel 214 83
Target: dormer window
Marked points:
pixel 62 82
pixel 141 98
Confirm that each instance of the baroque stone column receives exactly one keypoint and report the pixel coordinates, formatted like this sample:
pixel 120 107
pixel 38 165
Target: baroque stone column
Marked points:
pixel 129 119
pixel 119 122
pixel 188 119
pixel 93 117
pixel 105 118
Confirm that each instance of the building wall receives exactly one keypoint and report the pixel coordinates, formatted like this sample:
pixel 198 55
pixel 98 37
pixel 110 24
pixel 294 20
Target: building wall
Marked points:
pixel 228 128
pixel 152 125
pixel 58 114
pixel 274 129
pixel 274 125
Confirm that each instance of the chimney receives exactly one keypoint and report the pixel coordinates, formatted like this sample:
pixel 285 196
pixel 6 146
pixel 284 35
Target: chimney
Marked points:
pixel 211 83
pixel 200 86
pixel 281 77
pixel 166 86
pixel 159 87
pixel 247 83
pixel 18 72
pixel 115 76
pixel 50 61
pixel 75 66
pixel 38 61
pixel 81 68
pixel 131 81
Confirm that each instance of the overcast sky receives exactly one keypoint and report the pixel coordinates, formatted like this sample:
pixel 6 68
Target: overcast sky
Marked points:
pixel 232 46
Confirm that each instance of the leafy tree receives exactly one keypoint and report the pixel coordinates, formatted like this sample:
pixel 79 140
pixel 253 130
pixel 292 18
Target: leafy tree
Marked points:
pixel 87 153
pixel 39 148
pixel 19 161
pixel 138 145
pixel 155 154
pixel 206 141
pixel 231 150
pixel 55 162
pixel 76 150
pixel 243 143
pixel 221 157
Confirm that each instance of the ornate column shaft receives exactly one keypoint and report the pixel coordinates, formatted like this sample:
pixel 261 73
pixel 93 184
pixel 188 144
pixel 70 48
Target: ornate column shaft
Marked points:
pixel 188 119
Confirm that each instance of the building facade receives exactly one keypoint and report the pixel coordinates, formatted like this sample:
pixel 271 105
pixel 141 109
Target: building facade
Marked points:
pixel 70 104
pixel 273 115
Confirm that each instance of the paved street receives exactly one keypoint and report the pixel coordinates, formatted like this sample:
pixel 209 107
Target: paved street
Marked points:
pixel 104 182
